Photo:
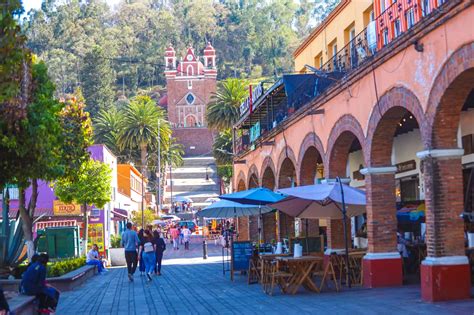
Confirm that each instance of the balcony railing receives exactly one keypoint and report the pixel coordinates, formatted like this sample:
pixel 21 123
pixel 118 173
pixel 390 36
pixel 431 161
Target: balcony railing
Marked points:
pixel 351 56
pixel 385 29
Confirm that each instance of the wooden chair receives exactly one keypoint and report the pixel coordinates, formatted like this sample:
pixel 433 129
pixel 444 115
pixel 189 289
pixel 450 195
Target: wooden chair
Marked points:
pixel 330 272
pixel 276 276
pixel 254 271
pixel 355 268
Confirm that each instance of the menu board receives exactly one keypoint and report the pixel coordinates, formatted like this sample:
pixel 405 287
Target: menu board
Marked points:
pixel 96 236
pixel 241 254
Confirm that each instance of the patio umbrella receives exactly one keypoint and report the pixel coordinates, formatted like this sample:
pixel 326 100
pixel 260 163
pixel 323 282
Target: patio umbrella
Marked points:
pixel 329 200
pixel 230 209
pixel 256 196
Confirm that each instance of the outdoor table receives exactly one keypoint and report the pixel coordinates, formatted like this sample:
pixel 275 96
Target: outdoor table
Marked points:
pixel 301 269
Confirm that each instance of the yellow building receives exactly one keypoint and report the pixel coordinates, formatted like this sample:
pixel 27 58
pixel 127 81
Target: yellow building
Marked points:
pixel 348 19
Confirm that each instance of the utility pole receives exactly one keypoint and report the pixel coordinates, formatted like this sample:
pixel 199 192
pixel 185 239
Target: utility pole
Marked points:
pixel 171 186
pixel 158 173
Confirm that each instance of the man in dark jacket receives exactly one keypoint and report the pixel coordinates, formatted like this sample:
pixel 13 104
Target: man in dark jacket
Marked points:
pixel 34 283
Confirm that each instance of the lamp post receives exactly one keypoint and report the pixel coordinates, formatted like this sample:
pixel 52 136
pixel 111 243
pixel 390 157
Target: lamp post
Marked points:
pixel 158 172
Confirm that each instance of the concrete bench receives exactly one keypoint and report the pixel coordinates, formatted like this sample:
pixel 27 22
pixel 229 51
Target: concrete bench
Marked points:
pixel 23 304
pixel 66 282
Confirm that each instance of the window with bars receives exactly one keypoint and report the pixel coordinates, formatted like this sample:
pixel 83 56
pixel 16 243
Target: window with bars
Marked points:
pixel 410 18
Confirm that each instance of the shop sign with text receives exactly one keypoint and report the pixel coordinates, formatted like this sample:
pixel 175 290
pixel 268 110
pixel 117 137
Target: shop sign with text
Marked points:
pixel 254 93
pixel 64 209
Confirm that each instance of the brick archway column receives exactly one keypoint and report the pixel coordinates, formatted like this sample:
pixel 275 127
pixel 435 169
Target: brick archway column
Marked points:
pixel 445 273
pixel 382 265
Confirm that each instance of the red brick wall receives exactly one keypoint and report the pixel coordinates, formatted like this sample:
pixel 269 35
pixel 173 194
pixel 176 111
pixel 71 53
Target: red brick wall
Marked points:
pixel 313 227
pixel 381 213
pixel 243 228
pixel 269 227
pixel 200 138
pixel 444 203
pixel 253 228
pixel 335 234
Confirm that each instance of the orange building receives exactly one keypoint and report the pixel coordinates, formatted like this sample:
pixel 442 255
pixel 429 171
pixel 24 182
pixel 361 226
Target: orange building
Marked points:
pixel 130 187
pixel 392 114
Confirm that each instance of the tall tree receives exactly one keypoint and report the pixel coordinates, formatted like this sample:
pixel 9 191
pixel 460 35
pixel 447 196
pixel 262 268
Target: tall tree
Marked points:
pixel 139 127
pixel 97 81
pixel 91 186
pixel 223 111
pixel 107 129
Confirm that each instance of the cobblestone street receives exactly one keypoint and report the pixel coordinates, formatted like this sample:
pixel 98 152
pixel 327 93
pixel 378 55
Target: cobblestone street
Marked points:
pixel 193 286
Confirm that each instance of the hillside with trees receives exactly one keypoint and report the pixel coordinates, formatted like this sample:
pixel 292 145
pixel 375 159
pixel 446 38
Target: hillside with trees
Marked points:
pixel 116 53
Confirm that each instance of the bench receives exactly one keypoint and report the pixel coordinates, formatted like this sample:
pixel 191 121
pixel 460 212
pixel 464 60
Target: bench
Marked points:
pixel 66 282
pixel 23 304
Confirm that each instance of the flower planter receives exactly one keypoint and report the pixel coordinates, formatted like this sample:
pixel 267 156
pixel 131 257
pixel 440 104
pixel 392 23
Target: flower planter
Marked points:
pixel 117 257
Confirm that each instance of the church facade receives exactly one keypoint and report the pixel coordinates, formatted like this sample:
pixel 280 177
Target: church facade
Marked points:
pixel 190 83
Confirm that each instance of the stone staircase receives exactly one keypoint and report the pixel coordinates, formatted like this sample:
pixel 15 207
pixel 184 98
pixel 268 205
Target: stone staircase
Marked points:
pixel 190 181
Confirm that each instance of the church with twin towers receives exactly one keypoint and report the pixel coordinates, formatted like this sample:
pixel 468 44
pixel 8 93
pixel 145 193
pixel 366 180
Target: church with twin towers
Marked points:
pixel 190 84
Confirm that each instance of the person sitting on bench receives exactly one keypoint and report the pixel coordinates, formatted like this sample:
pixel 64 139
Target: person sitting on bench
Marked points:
pixel 93 258
pixel 34 283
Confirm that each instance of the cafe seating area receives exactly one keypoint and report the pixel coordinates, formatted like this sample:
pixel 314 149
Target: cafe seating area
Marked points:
pixel 311 271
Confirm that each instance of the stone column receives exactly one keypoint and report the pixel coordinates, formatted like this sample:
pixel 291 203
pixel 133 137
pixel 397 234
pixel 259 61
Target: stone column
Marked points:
pixel 382 264
pixel 445 273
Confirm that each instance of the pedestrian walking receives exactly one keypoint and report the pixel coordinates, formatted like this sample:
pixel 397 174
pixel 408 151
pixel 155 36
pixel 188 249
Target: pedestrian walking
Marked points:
pixel 160 248
pixel 148 253
pixel 180 229
pixel 186 236
pixel 175 237
pixel 141 265
pixel 130 242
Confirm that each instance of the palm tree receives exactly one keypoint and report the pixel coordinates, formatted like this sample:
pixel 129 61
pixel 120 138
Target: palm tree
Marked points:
pixel 223 111
pixel 222 148
pixel 139 127
pixel 106 129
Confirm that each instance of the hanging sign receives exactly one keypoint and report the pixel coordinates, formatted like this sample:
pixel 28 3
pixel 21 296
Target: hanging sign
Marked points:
pixel 64 209
pixel 406 166
pixel 254 94
pixel 255 131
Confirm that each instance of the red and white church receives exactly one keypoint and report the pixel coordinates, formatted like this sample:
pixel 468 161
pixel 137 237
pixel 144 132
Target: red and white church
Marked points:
pixel 190 83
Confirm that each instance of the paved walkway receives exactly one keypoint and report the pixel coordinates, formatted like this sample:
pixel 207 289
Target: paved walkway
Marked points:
pixel 194 286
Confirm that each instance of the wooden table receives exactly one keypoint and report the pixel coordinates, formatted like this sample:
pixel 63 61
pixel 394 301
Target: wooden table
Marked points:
pixel 302 270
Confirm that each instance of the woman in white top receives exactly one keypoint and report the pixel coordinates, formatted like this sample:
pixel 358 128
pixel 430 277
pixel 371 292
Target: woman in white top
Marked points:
pixel 149 256
pixel 93 258
pixel 186 236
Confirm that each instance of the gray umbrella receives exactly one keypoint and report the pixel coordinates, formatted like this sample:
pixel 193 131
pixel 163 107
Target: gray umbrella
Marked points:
pixel 230 209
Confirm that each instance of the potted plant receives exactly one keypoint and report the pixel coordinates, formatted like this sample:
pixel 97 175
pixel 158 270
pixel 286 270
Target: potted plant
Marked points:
pixel 116 251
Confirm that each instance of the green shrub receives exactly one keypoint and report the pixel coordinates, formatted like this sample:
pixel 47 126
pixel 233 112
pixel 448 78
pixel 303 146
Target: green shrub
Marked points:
pixel 61 267
pixel 115 241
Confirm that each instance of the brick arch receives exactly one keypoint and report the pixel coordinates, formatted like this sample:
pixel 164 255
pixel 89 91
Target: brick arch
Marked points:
pixel 240 182
pixel 253 179
pixel 383 122
pixel 344 131
pixel 447 96
pixel 268 172
pixel 311 151
pixel 286 160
